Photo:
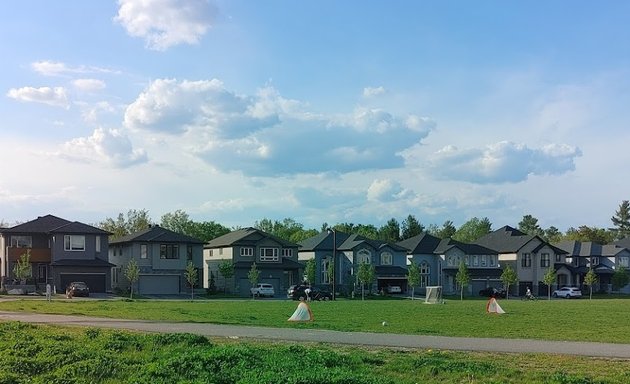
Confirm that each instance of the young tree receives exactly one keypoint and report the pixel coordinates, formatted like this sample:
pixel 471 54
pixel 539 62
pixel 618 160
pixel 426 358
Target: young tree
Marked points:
pixel 253 275
pixel 413 277
pixel 309 271
pixel 411 227
pixel 226 269
pixel 621 220
pixel 462 278
pixel 548 278
pixel 472 230
pixel 191 278
pixel 590 279
pixel 508 277
pixel 22 270
pixel 366 276
pixel 132 273
pixel 620 279
pixel 330 270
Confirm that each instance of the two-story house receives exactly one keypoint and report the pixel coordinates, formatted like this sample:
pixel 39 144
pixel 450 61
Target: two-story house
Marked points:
pixel 347 252
pixel 530 256
pixel 421 251
pixel 276 260
pixel 61 251
pixel 162 257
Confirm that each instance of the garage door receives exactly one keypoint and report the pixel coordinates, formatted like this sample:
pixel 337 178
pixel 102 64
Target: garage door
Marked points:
pixel 158 284
pixel 96 281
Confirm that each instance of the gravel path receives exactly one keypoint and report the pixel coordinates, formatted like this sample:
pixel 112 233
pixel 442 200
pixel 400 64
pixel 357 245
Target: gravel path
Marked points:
pixel 335 337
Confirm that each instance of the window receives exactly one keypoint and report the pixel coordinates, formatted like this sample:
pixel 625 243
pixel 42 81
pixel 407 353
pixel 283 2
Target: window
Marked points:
pixel 287 252
pixel 595 260
pixel 98 243
pixel 210 253
pixel 424 274
pixel 484 260
pixel 115 274
pixel 169 251
pixel 493 260
pixel 247 251
pixel 526 260
pixel 623 261
pixel 386 258
pixel 189 252
pixel 324 271
pixel 268 254
pixel 42 273
pixel 22 241
pixel 364 256
pixel 74 243
pixel 144 251
pixel 544 260
pixel 475 261
pixel 220 251
pixel 558 258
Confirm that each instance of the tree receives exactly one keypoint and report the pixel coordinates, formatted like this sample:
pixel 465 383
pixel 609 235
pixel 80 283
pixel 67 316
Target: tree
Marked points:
pixel 253 276
pixel 177 221
pixel 309 271
pixel 590 279
pixel 22 270
pixel 226 269
pixel 620 279
pixel 472 230
pixel 136 220
pixel 413 277
pixel 447 230
pixel 206 230
pixel 621 220
pixel 132 273
pixel 548 278
pixel 463 278
pixel 191 278
pixel 330 270
pixel 390 232
pixel 411 227
pixel 586 233
pixel 529 225
pixel 366 276
pixel 552 235
pixel 508 277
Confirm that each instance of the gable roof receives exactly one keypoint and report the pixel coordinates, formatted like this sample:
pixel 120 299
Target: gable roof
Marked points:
pixel 246 236
pixel 323 241
pixel 156 234
pixel 589 248
pixel 469 249
pixel 505 240
pixel 625 243
pixel 53 224
pixel 423 243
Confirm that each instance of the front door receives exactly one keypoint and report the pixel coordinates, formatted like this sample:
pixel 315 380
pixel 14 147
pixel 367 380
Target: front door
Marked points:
pixel 42 273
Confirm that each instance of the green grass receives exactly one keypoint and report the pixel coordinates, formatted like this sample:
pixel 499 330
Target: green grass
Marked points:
pixel 58 355
pixel 604 320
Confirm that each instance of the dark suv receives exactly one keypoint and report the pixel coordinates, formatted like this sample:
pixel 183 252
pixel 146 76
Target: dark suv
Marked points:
pixel 77 288
pixel 315 294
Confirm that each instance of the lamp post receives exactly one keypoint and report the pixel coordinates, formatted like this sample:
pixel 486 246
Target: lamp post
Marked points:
pixel 334 266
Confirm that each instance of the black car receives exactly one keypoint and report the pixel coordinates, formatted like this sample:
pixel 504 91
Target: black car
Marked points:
pixel 315 294
pixel 492 292
pixel 77 288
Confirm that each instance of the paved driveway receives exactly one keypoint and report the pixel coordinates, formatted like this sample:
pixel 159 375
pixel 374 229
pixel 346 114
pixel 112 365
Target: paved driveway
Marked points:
pixel 335 337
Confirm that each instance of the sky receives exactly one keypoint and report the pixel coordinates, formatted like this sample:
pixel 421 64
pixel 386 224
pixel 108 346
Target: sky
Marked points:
pixel 320 111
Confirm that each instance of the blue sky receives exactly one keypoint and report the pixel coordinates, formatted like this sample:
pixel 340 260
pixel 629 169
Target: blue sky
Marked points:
pixel 322 111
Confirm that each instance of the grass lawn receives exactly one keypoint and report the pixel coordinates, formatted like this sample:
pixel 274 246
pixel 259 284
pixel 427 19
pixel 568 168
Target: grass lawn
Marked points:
pixel 602 320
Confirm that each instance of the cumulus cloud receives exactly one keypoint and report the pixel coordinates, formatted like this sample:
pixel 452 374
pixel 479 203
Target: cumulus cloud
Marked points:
pixel 373 91
pixel 111 146
pixel 503 162
pixel 165 23
pixel 384 190
pixel 56 68
pixel 88 85
pixel 56 97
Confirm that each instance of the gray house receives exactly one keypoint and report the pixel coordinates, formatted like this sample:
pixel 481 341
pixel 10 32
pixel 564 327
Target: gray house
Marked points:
pixel 389 260
pixel 162 256
pixel 276 260
pixel 61 251
pixel 421 251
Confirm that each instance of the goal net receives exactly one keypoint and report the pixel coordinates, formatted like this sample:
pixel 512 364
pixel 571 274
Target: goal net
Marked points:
pixel 434 295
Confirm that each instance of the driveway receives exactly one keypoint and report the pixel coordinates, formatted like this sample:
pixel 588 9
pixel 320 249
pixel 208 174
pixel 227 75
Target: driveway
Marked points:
pixel 335 337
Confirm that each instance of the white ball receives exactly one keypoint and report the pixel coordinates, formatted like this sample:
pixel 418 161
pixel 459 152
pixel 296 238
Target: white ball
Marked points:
pixel 384 323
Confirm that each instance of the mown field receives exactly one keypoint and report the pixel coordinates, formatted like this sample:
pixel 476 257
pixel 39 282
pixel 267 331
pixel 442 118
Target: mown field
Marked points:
pixel 602 320
pixel 59 355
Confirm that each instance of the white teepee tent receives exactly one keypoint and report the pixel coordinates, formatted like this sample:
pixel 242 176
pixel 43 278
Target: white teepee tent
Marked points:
pixel 493 306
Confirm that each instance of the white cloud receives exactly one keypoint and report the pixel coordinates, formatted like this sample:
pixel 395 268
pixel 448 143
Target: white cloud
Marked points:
pixel 56 68
pixel 384 190
pixel 111 146
pixel 91 112
pixel 502 162
pixel 88 85
pixel 373 91
pixel 165 23
pixel 51 96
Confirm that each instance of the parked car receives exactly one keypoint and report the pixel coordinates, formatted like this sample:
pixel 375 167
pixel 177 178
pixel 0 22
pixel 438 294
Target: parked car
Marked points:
pixel 315 294
pixel 293 288
pixel 77 288
pixel 394 289
pixel 567 292
pixel 262 290
pixel 492 292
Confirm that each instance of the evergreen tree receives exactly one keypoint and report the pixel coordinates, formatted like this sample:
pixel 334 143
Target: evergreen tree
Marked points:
pixel 447 230
pixel 411 227
pixel 621 220
pixel 390 232
pixel 529 225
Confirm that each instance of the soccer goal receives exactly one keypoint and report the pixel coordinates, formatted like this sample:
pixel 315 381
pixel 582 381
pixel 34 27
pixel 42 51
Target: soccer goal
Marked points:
pixel 434 295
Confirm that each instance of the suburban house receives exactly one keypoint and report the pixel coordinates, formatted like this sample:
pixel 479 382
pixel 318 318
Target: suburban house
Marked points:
pixel 347 252
pixel 603 259
pixel 276 260
pixel 162 256
pixel 61 251
pixel 530 256
pixel 421 251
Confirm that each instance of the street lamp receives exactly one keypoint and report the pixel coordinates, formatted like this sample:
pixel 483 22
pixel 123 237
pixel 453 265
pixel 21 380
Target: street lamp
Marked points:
pixel 334 266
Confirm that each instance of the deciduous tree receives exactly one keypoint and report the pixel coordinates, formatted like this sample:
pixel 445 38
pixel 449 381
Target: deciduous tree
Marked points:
pixel 508 277
pixel 463 278
pixel 472 230
pixel 132 273
pixel 136 220
pixel 309 271
pixel 253 275
pixel 620 279
pixel 191 278
pixel 390 232
pixel 365 275
pixel 590 279
pixel 413 277
pixel 226 269
pixel 549 278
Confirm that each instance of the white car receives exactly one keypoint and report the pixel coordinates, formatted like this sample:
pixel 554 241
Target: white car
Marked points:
pixel 263 289
pixel 567 292
pixel 394 289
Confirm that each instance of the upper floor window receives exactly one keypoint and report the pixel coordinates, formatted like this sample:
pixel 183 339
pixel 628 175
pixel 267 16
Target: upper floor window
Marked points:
pixel 98 243
pixel 493 260
pixel 22 241
pixel 144 251
pixel 247 251
pixel 484 260
pixel 454 261
pixel 475 262
pixel 424 268
pixel 169 251
pixel 623 261
pixel 268 254
pixel 287 252
pixel 544 260
pixel 526 260
pixel 364 256
pixel 558 258
pixel 189 252
pixel 386 258
pixel 324 271
pixel 595 260
pixel 74 242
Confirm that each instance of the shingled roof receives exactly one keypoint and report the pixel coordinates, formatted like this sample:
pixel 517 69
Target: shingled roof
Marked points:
pixel 423 243
pixel 52 224
pixel 156 234
pixel 323 241
pixel 246 236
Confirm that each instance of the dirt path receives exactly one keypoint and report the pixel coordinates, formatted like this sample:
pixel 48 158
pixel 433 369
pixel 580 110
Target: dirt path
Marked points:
pixel 335 337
